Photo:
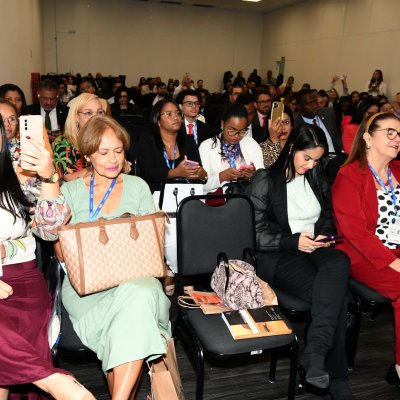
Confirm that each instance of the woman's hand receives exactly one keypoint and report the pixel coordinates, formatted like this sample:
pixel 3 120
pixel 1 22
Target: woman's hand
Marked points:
pixel 38 161
pixel 184 171
pixel 275 130
pixel 230 174
pixel 395 265
pixel 308 245
pixel 5 290
pixel 247 173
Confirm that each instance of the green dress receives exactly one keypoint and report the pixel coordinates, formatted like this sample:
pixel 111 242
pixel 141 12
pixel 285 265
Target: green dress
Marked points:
pixel 129 322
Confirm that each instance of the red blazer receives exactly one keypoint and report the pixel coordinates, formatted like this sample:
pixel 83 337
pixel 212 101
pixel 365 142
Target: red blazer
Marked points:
pixel 355 206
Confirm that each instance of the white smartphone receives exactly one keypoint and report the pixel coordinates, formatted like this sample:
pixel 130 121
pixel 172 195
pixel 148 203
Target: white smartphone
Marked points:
pixel 30 126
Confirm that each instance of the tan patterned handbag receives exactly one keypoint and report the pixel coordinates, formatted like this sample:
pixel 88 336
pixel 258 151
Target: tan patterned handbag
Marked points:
pixel 101 254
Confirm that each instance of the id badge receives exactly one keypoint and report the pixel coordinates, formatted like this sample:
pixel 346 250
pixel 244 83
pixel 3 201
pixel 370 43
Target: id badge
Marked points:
pixel 393 235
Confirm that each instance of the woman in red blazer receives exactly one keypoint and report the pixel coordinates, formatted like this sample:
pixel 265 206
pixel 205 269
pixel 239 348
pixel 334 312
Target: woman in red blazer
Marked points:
pixel 366 203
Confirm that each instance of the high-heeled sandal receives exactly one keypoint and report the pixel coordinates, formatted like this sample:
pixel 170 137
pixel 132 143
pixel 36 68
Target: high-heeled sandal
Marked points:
pixel 169 288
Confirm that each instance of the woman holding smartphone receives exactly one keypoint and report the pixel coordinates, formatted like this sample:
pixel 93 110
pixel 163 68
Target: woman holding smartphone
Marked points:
pixel 230 155
pixel 166 154
pixel 25 303
pixel 293 219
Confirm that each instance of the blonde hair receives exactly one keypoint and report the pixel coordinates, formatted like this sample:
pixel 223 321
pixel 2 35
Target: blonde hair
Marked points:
pixel 92 133
pixel 71 129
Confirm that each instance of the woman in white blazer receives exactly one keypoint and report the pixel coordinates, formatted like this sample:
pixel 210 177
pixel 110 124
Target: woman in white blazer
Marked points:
pixel 230 155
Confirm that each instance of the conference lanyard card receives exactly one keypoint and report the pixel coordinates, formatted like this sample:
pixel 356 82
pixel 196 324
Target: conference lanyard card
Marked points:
pixel 393 235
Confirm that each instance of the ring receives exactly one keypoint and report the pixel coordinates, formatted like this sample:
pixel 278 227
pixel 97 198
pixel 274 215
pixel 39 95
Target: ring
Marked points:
pixel 311 248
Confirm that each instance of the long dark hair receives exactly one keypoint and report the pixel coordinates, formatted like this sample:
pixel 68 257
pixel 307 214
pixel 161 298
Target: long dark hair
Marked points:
pixel 303 137
pixel 377 81
pixel 155 118
pixel 12 198
pixel 9 87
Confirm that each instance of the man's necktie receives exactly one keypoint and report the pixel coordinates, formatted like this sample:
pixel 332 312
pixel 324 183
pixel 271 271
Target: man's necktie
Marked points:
pixel 47 122
pixel 314 121
pixel 264 124
pixel 190 129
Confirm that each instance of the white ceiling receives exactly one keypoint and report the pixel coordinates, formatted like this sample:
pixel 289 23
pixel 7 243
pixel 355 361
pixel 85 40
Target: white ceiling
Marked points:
pixel 263 6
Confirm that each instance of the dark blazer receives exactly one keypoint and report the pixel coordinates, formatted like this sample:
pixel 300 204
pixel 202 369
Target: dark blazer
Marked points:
pixel 328 117
pixel 203 131
pixel 267 190
pixel 258 130
pixel 259 133
pixel 355 205
pixel 151 163
pixel 62 113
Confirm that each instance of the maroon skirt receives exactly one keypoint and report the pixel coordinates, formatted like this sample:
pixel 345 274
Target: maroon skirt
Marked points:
pixel 24 348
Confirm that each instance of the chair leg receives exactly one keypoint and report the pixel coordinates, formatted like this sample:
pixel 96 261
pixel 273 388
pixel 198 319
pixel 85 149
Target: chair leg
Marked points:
pixel 293 369
pixel 351 345
pixel 200 373
pixel 272 367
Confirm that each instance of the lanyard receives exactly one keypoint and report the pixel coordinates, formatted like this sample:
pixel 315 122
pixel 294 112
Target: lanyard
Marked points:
pixel 93 214
pixel 383 186
pixel 167 160
pixel 231 158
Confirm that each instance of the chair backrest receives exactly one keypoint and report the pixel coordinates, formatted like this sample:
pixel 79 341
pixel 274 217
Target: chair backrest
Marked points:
pixel 204 231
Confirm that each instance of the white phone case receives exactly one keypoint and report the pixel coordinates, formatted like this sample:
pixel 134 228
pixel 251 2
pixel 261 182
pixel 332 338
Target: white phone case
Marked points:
pixel 31 126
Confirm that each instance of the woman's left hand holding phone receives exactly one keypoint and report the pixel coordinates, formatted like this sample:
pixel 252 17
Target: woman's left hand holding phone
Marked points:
pixel 40 161
pixel 308 245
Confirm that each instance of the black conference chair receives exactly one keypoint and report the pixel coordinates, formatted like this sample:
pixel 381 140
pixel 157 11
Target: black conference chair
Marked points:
pixel 363 296
pixel 203 232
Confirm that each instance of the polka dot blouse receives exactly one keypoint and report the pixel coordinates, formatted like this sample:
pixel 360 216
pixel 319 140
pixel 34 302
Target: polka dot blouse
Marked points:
pixel 385 206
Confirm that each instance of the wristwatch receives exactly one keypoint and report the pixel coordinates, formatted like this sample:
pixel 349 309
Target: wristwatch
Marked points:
pixel 53 178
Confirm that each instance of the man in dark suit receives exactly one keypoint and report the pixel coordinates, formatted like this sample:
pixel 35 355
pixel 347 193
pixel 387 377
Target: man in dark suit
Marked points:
pixel 54 114
pixel 262 104
pixel 189 103
pixel 258 133
pixel 325 118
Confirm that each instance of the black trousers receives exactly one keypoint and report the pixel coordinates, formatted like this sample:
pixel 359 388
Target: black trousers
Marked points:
pixel 320 278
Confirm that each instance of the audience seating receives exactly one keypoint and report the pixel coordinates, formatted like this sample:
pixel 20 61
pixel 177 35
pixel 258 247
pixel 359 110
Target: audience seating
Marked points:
pixel 198 245
pixel 363 295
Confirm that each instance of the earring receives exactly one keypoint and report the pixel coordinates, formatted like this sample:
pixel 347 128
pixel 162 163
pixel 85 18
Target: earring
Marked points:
pixel 368 146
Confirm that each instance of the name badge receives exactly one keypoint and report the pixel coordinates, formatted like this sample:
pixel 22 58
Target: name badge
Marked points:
pixel 393 235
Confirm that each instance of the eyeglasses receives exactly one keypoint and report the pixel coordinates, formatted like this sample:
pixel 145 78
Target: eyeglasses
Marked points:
pixel 12 120
pixel 263 102
pixel 235 132
pixel 90 114
pixel 172 114
pixel 390 132
pixel 192 103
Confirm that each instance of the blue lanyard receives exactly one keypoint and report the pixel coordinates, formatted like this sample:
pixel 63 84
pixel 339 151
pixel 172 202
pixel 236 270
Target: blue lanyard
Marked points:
pixel 167 160
pixel 93 214
pixel 394 198
pixel 231 158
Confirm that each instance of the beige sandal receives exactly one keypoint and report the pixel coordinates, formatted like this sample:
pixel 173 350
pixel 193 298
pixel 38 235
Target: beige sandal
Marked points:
pixel 169 282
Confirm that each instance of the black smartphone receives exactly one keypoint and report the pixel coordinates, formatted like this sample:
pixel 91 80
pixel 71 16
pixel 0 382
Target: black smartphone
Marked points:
pixel 330 238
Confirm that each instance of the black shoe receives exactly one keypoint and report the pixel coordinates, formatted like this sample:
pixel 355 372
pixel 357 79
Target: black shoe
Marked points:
pixel 314 369
pixel 339 389
pixel 392 378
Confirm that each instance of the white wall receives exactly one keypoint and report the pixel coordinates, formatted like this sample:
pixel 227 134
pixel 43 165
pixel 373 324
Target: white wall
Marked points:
pixel 22 42
pixel 150 39
pixel 323 38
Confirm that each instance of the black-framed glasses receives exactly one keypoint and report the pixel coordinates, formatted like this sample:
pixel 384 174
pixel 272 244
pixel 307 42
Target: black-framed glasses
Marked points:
pixel 89 114
pixel 235 132
pixel 391 133
pixel 171 114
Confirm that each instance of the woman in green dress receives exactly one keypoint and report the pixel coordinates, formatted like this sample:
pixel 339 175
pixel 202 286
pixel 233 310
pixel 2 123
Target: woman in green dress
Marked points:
pixel 128 324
